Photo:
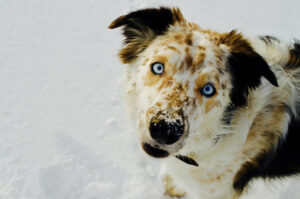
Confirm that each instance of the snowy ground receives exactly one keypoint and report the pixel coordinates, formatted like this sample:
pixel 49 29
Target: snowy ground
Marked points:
pixel 63 130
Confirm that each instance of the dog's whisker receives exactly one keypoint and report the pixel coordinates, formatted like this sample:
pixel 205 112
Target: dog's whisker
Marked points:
pixel 218 138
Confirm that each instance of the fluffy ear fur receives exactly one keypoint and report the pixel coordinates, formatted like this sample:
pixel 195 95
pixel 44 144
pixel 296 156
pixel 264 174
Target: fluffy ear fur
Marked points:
pixel 246 68
pixel 142 26
pixel 246 71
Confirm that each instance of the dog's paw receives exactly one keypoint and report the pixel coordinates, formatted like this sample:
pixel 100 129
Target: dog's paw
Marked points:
pixel 171 189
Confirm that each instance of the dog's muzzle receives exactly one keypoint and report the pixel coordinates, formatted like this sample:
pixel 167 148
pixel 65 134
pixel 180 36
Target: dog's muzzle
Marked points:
pixel 166 132
pixel 166 129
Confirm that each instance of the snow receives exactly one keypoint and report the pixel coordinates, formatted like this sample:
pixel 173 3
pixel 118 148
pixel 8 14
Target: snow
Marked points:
pixel 63 130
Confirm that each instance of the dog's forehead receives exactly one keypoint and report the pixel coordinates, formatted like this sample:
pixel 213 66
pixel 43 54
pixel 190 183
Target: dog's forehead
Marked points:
pixel 188 49
pixel 192 58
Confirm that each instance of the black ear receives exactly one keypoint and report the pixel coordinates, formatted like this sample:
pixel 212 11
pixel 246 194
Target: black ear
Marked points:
pixel 157 19
pixel 246 70
pixel 142 26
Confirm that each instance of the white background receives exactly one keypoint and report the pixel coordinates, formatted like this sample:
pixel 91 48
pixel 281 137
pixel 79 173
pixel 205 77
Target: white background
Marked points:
pixel 63 130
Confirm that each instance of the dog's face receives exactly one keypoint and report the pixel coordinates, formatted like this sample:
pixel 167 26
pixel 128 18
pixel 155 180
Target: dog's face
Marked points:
pixel 181 90
pixel 185 84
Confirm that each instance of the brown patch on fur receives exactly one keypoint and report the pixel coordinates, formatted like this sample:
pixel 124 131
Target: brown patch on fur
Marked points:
pixel 201 48
pixel 177 15
pixel 189 39
pixel 235 41
pixel 219 54
pixel 167 82
pixel 159 104
pixel 211 35
pixel 181 67
pixel 174 70
pixel 160 59
pixel 200 99
pixel 150 79
pixel 173 49
pixel 177 98
pixel 211 103
pixel 197 62
pixel 188 58
pixel 178 38
pixel 202 80
pixel 186 85
pixel 193 26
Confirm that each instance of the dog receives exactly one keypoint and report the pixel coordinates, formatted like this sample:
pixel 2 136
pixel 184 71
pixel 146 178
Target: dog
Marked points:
pixel 220 108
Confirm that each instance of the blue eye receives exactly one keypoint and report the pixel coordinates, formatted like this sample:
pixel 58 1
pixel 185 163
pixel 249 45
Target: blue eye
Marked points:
pixel 208 90
pixel 157 68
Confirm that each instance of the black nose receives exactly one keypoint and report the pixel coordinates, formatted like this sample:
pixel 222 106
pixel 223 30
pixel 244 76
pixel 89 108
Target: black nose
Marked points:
pixel 166 132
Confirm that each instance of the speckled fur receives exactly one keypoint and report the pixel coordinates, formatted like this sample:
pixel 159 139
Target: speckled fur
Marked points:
pixel 193 56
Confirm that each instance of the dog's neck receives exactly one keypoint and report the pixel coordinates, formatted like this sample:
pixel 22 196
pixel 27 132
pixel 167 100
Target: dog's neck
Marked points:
pixel 225 162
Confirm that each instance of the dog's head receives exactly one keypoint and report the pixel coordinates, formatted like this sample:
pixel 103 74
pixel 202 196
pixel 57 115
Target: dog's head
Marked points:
pixel 185 83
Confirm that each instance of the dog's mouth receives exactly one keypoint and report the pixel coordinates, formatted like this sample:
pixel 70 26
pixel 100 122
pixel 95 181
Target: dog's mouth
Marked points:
pixel 155 152
pixel 160 153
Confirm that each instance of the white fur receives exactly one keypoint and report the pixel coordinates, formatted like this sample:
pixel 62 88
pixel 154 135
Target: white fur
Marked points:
pixel 224 159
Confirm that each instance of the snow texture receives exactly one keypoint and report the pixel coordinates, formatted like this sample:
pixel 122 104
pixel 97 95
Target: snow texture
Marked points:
pixel 63 130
